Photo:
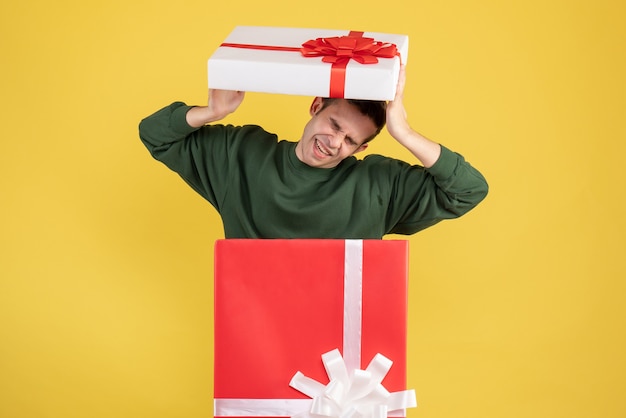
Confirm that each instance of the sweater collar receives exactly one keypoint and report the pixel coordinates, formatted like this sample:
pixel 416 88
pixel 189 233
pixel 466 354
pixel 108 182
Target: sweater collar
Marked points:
pixel 312 172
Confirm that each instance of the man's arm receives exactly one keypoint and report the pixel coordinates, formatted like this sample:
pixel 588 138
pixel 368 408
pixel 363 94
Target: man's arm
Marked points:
pixel 177 136
pixel 176 122
pixel 458 186
pixel 220 104
pixel 424 149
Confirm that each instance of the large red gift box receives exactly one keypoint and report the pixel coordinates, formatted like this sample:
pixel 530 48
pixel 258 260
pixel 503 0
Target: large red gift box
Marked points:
pixel 281 304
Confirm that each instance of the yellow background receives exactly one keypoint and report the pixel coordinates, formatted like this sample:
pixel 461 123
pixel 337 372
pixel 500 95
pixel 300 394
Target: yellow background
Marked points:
pixel 516 310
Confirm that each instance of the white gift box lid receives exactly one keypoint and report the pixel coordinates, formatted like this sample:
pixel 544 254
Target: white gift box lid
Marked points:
pixel 289 72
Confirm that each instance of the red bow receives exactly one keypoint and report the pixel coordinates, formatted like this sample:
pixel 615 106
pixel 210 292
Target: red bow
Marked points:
pixel 339 50
pixel 345 48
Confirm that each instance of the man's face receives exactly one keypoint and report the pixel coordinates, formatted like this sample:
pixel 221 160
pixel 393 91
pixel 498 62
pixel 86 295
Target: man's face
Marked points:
pixel 333 134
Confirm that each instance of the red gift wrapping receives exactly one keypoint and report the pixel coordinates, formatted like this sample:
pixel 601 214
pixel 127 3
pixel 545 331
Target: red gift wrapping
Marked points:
pixel 279 305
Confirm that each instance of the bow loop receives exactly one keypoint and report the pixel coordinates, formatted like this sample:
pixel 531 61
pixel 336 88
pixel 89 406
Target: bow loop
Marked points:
pixel 361 396
pixel 344 48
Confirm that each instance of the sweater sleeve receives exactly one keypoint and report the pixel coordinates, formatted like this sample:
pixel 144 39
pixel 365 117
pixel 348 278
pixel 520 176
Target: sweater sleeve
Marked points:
pixel 448 189
pixel 196 154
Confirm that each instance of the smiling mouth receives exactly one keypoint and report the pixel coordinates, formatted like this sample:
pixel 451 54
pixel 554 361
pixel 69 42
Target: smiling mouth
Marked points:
pixel 320 149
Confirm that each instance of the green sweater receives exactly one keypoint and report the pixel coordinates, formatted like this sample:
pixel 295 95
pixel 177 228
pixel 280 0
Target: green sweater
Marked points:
pixel 262 190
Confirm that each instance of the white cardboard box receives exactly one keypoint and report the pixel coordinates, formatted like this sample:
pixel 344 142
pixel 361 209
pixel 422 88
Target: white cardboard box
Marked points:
pixel 289 72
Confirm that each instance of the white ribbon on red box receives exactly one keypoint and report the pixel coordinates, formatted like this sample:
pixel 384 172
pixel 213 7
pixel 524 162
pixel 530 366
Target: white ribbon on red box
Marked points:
pixel 351 392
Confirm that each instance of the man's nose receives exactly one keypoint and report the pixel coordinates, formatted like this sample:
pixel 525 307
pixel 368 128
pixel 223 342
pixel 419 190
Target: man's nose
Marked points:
pixel 335 140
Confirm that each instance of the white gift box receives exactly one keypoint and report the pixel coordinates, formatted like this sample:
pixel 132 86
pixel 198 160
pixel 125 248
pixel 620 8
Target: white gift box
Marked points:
pixel 268 60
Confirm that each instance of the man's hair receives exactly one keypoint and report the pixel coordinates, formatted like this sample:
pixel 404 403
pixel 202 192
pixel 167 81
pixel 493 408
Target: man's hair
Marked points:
pixel 374 109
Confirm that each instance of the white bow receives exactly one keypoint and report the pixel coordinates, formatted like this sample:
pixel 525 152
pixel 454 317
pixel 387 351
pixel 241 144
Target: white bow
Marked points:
pixel 359 394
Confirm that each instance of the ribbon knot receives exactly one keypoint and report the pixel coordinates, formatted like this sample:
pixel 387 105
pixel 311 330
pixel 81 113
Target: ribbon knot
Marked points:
pixel 356 395
pixel 339 50
pixel 344 48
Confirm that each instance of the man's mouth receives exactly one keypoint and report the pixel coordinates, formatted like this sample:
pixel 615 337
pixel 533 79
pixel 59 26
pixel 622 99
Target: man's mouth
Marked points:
pixel 321 149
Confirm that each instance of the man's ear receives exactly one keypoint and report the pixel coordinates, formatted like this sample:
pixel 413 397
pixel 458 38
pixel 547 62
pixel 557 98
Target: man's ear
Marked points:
pixel 315 106
pixel 363 147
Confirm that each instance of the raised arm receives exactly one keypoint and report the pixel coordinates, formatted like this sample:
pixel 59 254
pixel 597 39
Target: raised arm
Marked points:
pixel 457 186
pixel 424 149
pixel 179 137
pixel 220 104
pixel 177 121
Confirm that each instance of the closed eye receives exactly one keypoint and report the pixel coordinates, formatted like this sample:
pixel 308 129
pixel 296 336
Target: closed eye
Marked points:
pixel 337 128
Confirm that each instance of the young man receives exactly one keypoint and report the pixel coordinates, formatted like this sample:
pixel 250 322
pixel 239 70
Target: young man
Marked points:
pixel 313 188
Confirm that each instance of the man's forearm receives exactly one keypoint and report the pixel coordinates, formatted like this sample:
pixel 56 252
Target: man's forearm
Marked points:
pixel 221 103
pixel 199 116
pixel 422 148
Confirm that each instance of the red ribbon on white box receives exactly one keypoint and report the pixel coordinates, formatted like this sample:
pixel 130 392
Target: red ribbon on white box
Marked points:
pixel 351 392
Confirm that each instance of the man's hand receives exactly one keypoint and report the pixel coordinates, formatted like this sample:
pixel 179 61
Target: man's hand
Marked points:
pixel 221 103
pixel 397 123
pixel 398 126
